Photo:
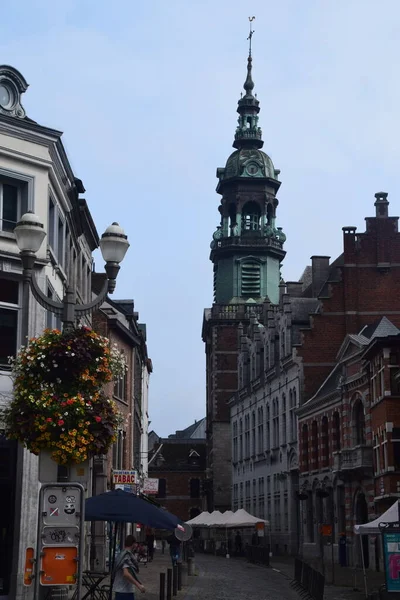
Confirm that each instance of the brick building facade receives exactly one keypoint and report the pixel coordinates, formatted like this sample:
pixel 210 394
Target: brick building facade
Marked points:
pixel 348 464
pixel 179 464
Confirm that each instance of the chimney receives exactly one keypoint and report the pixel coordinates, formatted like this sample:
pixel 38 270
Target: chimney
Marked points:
pixel 381 205
pixel 320 272
pixel 294 288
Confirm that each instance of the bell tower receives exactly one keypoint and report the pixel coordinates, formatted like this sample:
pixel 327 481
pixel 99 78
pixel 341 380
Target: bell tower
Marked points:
pixel 246 252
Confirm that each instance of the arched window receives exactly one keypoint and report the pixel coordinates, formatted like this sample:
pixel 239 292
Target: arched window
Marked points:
pixel 359 423
pixel 251 214
pixel 304 447
pixel 314 445
pixel 324 443
pixel 336 432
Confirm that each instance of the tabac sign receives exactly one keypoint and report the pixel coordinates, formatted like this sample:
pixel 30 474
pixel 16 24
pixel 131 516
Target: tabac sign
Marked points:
pixel 124 477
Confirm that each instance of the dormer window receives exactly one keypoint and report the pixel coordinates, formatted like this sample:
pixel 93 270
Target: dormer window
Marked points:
pixel 12 85
pixel 7 96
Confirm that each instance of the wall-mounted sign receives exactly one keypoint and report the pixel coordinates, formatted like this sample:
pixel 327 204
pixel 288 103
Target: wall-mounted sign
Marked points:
pixel 391 553
pixel 150 486
pixel 124 477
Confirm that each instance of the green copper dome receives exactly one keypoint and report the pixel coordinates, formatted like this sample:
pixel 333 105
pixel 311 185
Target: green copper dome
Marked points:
pixel 248 162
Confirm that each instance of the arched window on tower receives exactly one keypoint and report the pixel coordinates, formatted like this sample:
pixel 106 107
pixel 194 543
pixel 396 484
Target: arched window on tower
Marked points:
pixel 270 213
pixel 251 215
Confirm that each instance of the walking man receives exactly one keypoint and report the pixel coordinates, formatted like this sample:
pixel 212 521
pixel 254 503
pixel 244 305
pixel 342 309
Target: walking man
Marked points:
pixel 125 573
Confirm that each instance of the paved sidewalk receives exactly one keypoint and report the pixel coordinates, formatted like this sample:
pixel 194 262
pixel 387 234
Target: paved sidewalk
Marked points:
pixel 150 577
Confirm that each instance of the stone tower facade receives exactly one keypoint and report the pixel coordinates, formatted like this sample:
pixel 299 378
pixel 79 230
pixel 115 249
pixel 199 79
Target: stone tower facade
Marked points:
pixel 246 252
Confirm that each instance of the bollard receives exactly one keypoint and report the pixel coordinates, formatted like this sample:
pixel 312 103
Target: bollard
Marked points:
pixel 162 586
pixel 190 566
pixel 175 580
pixel 179 577
pixel 169 584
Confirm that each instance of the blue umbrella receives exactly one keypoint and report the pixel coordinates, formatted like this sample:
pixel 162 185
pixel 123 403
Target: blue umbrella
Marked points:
pixel 125 507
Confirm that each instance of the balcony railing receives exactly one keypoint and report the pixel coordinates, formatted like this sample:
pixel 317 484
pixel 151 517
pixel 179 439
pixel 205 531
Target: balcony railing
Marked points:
pixel 359 457
pixel 235 311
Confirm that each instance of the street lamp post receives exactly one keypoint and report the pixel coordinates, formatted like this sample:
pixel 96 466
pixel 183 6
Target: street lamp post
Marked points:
pixel 30 234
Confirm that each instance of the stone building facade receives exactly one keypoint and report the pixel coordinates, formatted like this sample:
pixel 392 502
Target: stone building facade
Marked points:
pixel 179 464
pixel 35 174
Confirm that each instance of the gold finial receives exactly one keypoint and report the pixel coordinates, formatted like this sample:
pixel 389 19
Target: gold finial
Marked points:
pixel 251 19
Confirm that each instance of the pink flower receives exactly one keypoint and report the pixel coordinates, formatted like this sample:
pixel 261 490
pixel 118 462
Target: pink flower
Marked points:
pixel 98 419
pixel 49 420
pixel 60 422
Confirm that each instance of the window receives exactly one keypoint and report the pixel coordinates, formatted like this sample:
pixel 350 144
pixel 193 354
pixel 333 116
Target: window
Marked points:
pixel 61 240
pixel 359 423
pixel 251 278
pixel 240 439
pixel 377 456
pixel 260 430
pixel 195 488
pixel 235 442
pixel 283 419
pixel 120 388
pixel 247 436
pixel 118 451
pixel 324 443
pixel 336 432
pixel 9 310
pixel 253 434
pixel 162 488
pixel 314 446
pixel 251 216
pixel 292 416
pixel 304 447
pixel 235 497
pixel 267 429
pixel 396 447
pixel 241 498
pixel 52 321
pixel 248 498
pixel 56 233
pixel 10 205
pixel 275 423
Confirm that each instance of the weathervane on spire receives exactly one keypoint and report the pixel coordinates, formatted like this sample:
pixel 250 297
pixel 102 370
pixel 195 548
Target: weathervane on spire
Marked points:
pixel 251 19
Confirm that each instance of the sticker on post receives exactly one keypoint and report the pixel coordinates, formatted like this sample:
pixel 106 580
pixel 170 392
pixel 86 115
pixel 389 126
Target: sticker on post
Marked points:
pixel 54 512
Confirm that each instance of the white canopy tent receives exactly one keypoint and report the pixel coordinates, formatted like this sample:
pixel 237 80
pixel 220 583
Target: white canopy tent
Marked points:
pixel 241 518
pixel 202 520
pixel 390 516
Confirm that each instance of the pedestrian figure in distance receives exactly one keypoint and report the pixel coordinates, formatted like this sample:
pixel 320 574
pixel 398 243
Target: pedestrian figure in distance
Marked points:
pixel 238 543
pixel 174 549
pixel 163 545
pixel 150 545
pixel 125 574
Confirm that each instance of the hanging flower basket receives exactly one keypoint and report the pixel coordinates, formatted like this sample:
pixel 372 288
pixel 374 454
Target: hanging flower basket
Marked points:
pixel 59 403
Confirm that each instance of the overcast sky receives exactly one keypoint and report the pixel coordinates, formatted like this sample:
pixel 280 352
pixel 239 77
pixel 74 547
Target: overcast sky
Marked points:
pixel 146 95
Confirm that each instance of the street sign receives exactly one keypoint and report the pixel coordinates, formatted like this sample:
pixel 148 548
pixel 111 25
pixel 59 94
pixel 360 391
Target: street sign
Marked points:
pixel 124 477
pixel 150 486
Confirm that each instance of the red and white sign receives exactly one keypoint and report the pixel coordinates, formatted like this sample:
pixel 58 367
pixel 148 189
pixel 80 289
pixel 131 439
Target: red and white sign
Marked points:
pixel 124 477
pixel 150 486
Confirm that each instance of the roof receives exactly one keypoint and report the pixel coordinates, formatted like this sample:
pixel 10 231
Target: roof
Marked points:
pixel 194 431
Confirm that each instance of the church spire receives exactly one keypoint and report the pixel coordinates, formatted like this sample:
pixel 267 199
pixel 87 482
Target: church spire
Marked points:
pixel 248 134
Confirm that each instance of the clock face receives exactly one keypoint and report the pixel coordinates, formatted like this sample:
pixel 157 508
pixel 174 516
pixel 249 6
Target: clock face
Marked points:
pixel 252 169
pixel 5 96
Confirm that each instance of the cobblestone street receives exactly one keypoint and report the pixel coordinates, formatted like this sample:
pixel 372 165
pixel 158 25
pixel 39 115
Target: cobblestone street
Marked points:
pixel 220 579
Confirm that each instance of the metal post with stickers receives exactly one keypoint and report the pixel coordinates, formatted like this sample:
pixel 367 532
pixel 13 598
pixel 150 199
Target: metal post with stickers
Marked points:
pixel 60 537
